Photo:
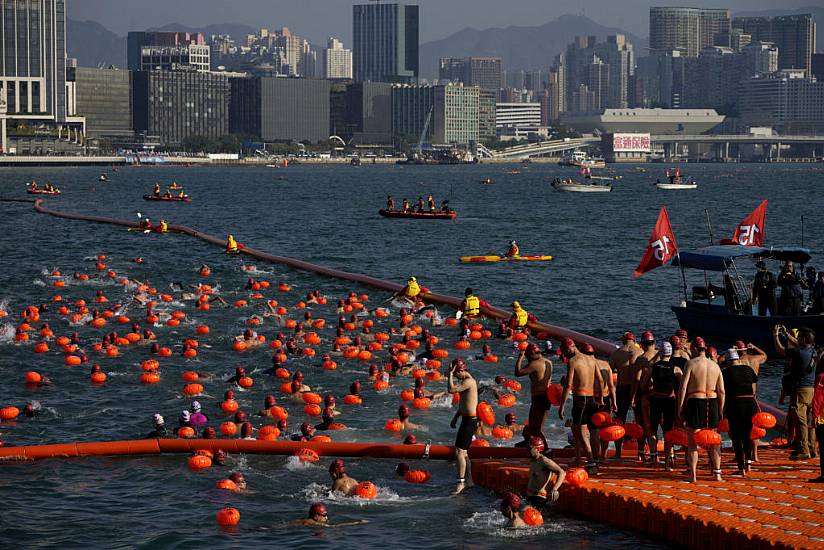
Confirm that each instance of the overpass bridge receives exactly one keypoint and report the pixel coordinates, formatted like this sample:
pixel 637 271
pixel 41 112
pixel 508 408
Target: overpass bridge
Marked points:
pixel 669 142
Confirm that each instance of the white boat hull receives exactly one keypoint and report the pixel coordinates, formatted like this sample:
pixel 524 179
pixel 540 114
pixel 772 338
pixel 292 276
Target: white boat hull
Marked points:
pixel 581 188
pixel 676 185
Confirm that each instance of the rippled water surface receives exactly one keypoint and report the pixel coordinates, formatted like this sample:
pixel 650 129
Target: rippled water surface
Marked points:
pixel 328 215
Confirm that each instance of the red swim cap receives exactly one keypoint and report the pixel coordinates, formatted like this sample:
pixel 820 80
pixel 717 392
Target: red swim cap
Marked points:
pixel 740 345
pixel 681 333
pixel 510 418
pixel 296 385
pixel 628 335
pixel 459 364
pixel 317 509
pixel 588 349
pixel 269 401
pixel 536 442
pixel 403 412
pixel 647 336
pixel 410 440
pixel 533 349
pixel 675 341
pixel 567 343
pixel 237 477
pixel 500 379
pixel 337 467
pixel 511 500
pixel 699 343
pixel 298 375
pixel 329 400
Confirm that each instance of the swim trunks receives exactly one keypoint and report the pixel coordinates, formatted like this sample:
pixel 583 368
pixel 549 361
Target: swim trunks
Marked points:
pixel 583 407
pixel 624 394
pixel 465 432
pixel 701 413
pixel 661 413
pixel 536 501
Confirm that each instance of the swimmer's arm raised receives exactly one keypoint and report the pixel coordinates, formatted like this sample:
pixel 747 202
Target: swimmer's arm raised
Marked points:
pixel 518 370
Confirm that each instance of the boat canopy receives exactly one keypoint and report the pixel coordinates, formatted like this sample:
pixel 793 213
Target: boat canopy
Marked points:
pixel 719 257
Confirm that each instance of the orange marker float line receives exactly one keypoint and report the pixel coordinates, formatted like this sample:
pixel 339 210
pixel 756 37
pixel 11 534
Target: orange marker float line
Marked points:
pixel 188 446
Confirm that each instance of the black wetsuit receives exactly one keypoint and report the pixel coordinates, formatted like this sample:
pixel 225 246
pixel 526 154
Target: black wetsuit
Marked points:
pixel 662 404
pixel 739 408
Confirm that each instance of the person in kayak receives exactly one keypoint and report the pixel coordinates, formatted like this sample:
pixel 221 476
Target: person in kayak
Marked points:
pixel 445 205
pixel 156 191
pixel 430 202
pixel 406 206
pixel 471 305
pixel 513 250
pixel 519 318
pixel 167 194
pixel 231 245
pixel 410 291
pixel 164 227
pixel 390 203
pixel 145 223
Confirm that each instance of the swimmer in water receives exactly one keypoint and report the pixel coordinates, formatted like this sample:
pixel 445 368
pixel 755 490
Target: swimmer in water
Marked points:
pixel 268 403
pixel 341 482
pixel 510 508
pixel 307 431
pixel 542 472
pixel 403 416
pixel 319 517
pixel 196 417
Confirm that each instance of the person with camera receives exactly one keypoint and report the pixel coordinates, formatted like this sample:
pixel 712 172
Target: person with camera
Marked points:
pixel 799 384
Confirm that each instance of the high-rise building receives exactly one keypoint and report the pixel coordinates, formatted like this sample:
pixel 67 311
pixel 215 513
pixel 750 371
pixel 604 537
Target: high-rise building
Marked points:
pixel 33 58
pixel 603 69
pixel 385 42
pixel 784 100
pixel 280 109
pixel 487 111
pixel 177 105
pixel 337 60
pixel 688 30
pixel 794 35
pixel 361 113
pixel 518 114
pixel 484 72
pixel 452 112
pixel 818 66
pixel 760 58
pixel 104 97
pixel 147 50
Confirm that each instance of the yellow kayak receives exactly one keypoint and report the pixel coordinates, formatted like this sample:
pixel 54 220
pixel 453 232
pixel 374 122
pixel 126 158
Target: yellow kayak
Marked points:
pixel 488 259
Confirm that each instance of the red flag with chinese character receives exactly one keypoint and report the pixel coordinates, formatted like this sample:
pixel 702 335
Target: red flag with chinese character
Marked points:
pixel 750 232
pixel 661 247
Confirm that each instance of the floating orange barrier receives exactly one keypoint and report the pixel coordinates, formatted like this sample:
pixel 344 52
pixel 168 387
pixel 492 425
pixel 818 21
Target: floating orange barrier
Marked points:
pixel 227 517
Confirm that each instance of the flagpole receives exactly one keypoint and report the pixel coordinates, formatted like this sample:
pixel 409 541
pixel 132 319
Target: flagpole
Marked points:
pixel 683 275
pixel 709 224
pixel 802 231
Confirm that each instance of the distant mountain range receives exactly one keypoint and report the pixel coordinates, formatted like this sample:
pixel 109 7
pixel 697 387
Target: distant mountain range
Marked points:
pixel 519 47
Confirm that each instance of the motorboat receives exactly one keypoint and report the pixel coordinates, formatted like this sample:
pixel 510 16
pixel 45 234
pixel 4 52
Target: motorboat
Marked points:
pixel 572 186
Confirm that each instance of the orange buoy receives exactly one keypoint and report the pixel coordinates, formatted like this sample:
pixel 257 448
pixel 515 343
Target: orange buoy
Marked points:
pixel 311 398
pixel 532 517
pixel 72 360
pixel 202 329
pixel 407 395
pixel 757 433
pixel 41 347
pixel 33 377
pixel 330 365
pixel 226 484
pixel 186 431
pixel 418 373
pixel 190 353
pixel 480 443
pixel 421 403
pixel 149 378
pixel 307 455
pixel 501 432
pixel 724 425
pixel 764 420
pixel 367 490
pixel 192 389
pixel 173 322
pixel 380 385
pixel 227 517
pixel 98 322
pixel 245 382
pixel 321 439
pixel 601 419
pixel 228 428
pixel 433 375
pixel 199 462
pixel 165 352
pixel 486 413
pixel 576 477
pixel 9 413
pixel 417 476
pixel 490 358
pixel 279 413
pixel 150 365
pixel 513 385
pixel 98 377
pixel 311 409
pixel 393 425
pixel 612 433
pixel 634 430
pixel 707 438
pixel 677 436
pixel 350 399
pixel 239 346
pixel 461 344
pixel 507 400
pixel 554 393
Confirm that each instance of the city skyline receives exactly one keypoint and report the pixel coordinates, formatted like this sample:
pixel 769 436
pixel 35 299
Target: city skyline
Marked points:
pixel 631 16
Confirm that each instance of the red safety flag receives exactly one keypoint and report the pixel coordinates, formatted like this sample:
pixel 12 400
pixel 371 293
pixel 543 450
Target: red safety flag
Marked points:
pixel 661 247
pixel 750 232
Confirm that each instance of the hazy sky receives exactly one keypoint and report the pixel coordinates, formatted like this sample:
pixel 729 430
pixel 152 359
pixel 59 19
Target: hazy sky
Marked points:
pixel 318 19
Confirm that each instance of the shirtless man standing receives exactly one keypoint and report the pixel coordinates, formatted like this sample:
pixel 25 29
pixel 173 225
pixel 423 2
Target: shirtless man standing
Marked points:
pixel 582 375
pixel 700 404
pixel 341 482
pixel 641 388
pixel 540 375
pixel 604 392
pixel 467 388
pixel 622 361
pixel 541 473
